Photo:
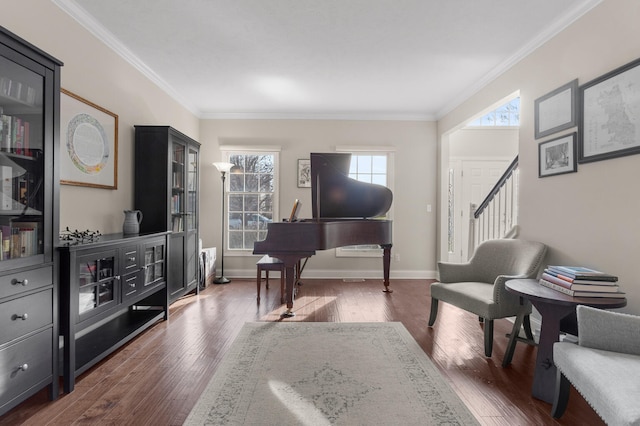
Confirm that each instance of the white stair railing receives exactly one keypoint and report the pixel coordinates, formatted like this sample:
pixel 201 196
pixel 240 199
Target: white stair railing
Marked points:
pixel 497 215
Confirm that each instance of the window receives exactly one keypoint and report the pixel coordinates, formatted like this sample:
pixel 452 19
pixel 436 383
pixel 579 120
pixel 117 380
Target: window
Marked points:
pixel 252 198
pixel 370 167
pixel 507 115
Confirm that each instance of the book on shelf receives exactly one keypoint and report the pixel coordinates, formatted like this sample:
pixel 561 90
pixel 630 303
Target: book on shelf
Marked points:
pixel 576 293
pixel 6 179
pixel 6 242
pixel 580 272
pixel 609 286
pixel 25 239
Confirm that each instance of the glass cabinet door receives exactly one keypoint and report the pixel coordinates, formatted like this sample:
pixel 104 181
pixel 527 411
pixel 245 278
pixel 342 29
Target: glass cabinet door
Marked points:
pixel 192 190
pixel 98 286
pixel 177 188
pixel 22 201
pixel 154 259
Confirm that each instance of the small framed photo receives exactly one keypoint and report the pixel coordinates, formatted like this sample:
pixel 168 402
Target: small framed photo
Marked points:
pixel 557 110
pixel 609 124
pixel 557 156
pixel 304 173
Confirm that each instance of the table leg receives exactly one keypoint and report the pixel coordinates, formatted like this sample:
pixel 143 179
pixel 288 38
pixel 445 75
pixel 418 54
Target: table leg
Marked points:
pixel 544 379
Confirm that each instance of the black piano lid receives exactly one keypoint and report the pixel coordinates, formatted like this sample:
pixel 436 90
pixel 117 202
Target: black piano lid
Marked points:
pixel 335 195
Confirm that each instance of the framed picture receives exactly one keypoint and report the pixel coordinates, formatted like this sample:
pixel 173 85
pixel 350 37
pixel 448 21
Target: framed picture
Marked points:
pixel 88 143
pixel 556 110
pixel 610 115
pixel 304 173
pixel 557 156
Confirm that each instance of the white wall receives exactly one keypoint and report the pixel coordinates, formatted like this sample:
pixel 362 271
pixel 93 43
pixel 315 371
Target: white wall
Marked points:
pixel 590 217
pixel 482 143
pixel 96 73
pixel 414 228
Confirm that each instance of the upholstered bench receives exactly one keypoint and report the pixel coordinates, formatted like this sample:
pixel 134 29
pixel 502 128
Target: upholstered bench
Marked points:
pixel 268 263
pixel 604 366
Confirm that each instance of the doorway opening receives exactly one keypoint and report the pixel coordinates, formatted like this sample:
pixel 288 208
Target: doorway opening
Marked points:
pixel 476 155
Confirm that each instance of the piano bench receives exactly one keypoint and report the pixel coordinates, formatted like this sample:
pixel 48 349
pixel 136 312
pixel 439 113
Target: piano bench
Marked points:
pixel 268 263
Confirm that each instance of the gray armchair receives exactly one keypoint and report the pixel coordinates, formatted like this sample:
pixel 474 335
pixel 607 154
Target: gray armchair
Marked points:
pixel 479 285
pixel 604 366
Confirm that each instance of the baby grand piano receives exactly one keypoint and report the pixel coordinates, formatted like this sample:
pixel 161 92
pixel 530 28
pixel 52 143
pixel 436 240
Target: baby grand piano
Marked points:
pixel 343 212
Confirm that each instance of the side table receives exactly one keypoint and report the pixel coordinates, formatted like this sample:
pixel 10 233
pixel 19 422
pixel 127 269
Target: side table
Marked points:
pixel 553 306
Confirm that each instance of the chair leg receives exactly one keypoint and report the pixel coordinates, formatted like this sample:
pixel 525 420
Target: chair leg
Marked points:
pixel 513 339
pixel 488 337
pixel 561 395
pixel 434 311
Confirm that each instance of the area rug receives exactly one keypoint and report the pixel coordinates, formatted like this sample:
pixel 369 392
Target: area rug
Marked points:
pixel 302 373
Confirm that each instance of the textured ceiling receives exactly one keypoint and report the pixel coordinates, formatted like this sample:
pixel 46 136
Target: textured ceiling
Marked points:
pixel 379 59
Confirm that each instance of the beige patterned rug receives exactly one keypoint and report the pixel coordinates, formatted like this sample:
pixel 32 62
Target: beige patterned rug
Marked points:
pixel 302 373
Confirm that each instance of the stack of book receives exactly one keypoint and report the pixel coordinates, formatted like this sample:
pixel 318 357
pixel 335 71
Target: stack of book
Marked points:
pixel 578 281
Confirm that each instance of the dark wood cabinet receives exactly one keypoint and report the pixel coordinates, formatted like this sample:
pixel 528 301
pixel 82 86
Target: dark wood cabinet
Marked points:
pixel 113 289
pixel 167 194
pixel 29 128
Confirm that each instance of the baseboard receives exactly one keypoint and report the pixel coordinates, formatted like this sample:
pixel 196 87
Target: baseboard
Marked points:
pixel 339 274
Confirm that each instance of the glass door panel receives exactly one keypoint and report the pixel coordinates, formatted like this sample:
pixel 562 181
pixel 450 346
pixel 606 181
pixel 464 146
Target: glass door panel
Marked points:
pixel 154 264
pixel 97 282
pixel 192 190
pixel 21 161
pixel 177 188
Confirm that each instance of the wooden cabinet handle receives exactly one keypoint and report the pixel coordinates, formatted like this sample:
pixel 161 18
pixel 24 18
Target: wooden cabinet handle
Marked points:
pixel 23 317
pixel 16 281
pixel 24 367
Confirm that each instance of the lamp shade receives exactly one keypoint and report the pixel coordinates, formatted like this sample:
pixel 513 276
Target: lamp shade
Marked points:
pixel 223 167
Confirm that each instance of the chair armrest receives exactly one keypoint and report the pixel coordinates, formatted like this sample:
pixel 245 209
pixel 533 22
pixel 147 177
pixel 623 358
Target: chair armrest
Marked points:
pixel 500 292
pixel 456 272
pixel 607 330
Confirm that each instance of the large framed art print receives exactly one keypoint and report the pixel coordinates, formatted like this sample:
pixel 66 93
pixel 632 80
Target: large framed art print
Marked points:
pixel 610 115
pixel 88 143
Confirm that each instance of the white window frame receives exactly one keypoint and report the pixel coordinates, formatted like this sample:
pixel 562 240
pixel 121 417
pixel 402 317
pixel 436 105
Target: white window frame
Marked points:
pixel 227 152
pixel 389 151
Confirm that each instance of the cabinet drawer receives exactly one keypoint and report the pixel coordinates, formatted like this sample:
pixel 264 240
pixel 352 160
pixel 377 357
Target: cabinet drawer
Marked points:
pixel 25 314
pixel 130 284
pixel 25 364
pixel 27 280
pixel 130 259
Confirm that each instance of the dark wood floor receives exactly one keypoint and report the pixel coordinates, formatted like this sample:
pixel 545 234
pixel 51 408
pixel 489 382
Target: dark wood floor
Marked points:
pixel 157 378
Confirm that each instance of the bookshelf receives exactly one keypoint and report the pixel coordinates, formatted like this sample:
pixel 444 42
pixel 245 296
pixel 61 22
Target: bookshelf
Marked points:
pixel 167 193
pixel 29 128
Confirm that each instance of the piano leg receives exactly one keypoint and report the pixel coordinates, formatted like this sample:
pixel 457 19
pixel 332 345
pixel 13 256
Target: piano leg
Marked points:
pixel 291 263
pixel 386 264
pixel 290 288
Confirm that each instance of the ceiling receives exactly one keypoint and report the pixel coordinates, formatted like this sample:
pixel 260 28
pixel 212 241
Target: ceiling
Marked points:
pixel 358 59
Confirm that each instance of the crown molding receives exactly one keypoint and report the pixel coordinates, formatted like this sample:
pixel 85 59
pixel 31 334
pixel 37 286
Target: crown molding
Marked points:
pixel 551 31
pixel 352 116
pixel 106 37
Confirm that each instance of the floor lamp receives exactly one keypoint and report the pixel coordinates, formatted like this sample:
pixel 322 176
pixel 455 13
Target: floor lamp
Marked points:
pixel 223 168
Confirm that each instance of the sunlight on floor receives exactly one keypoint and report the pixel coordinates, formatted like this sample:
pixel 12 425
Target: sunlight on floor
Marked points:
pixel 303 307
pixel 305 411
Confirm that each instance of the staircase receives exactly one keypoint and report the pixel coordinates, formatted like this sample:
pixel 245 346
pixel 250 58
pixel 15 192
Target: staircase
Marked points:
pixel 497 215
